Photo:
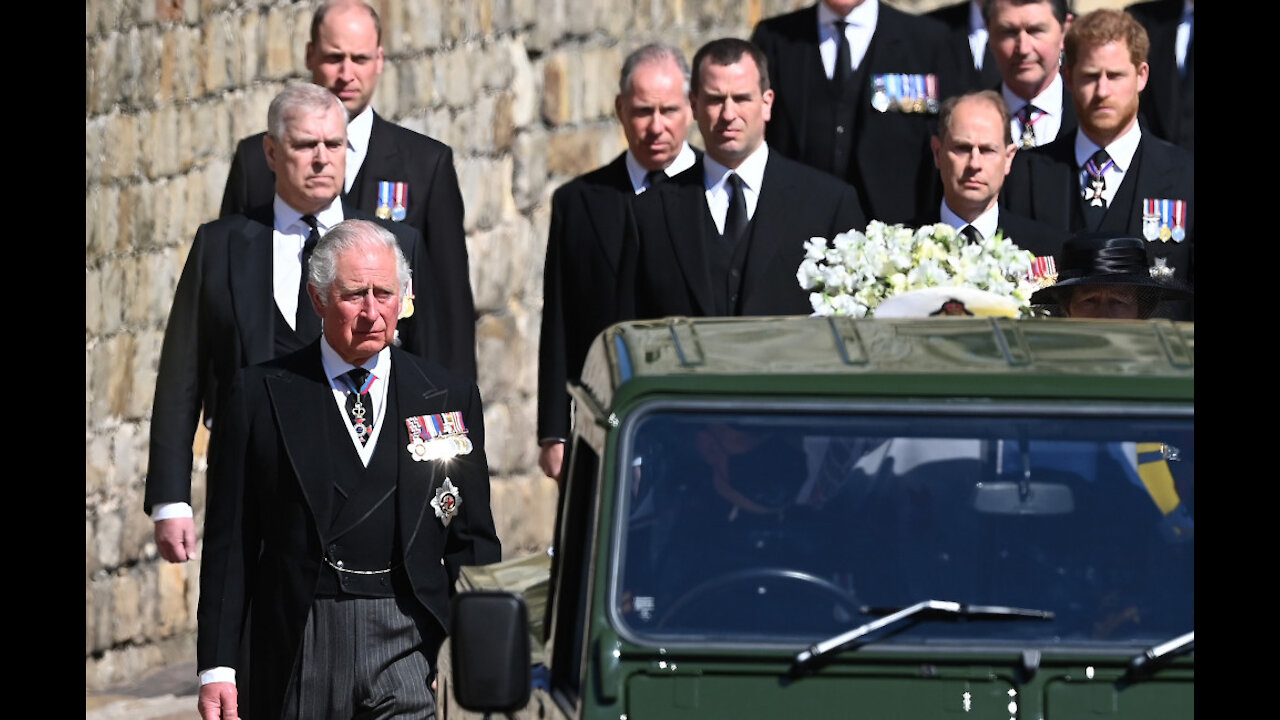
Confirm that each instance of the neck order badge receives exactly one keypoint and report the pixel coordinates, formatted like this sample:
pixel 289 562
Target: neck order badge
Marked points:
pixel 359 402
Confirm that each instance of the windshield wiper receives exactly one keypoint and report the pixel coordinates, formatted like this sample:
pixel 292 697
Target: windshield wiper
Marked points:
pixel 953 609
pixel 1151 659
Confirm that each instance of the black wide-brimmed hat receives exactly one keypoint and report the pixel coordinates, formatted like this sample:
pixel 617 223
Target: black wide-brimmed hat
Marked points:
pixel 1105 259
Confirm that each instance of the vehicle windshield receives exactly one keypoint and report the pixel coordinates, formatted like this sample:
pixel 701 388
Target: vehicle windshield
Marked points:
pixel 793 526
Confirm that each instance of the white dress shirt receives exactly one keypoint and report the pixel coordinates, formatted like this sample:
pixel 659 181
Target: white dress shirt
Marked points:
pixel 862 24
pixel 287 239
pixel 752 173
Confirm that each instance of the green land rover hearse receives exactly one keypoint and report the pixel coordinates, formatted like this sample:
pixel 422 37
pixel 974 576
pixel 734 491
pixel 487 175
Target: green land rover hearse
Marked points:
pixel 796 517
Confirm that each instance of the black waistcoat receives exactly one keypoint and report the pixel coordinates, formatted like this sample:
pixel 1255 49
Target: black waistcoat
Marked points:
pixel 286 339
pixel 363 532
pixel 832 120
pixel 726 264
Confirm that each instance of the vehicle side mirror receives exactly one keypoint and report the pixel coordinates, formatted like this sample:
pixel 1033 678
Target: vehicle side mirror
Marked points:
pixel 489 651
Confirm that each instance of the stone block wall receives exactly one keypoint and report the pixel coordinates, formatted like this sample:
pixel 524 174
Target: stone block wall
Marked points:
pixel 523 92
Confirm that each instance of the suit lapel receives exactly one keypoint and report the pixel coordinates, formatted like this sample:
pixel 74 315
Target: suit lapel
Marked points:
pixel 605 206
pixel 416 395
pixel 302 394
pixel 380 157
pixel 686 215
pixel 249 263
pixel 777 195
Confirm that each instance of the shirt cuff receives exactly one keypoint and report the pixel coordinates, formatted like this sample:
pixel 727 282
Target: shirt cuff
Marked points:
pixel 549 440
pixel 217 674
pixel 168 511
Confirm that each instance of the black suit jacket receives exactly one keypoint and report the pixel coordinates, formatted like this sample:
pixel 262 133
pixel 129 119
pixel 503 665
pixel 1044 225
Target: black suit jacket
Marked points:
pixel 890 149
pixel 665 259
pixel 580 281
pixel 272 460
pixel 1161 106
pixel 1044 184
pixel 1028 234
pixel 956 18
pixel 395 154
pixel 223 319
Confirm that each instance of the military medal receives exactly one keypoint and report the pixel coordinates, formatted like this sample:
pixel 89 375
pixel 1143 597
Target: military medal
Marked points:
pixel 931 87
pixel 1043 271
pixel 446 501
pixel 917 94
pixel 384 200
pixel 1166 232
pixel 1179 232
pixel 1150 220
pixel 438 437
pixel 401 201
pixel 879 94
pixel 406 302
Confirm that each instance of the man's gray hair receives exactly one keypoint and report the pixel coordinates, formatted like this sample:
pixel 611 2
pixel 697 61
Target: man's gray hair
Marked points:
pixel 653 52
pixel 349 235
pixel 298 98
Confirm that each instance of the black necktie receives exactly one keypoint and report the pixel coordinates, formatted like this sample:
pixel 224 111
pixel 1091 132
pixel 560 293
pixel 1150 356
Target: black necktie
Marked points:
pixel 359 403
pixel 1027 117
pixel 307 323
pixel 653 178
pixel 1095 205
pixel 844 60
pixel 971 234
pixel 735 219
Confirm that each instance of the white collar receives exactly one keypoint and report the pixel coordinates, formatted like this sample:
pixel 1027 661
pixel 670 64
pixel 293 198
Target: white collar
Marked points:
pixel 359 129
pixel 335 366
pixel 286 218
pixel 862 16
pixel 751 170
pixel 1050 101
pixel 1121 150
pixel 684 159
pixel 987 223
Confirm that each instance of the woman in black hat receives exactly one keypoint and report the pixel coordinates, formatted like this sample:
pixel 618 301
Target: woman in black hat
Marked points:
pixel 1104 276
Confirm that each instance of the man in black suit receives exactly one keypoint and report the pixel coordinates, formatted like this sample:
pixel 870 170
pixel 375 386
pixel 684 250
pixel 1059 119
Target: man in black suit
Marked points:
pixel 974 150
pixel 349 485
pixel 726 236
pixel 1027 40
pixel 1110 175
pixel 588 217
pixel 858 100
pixel 1167 109
pixel 392 172
pixel 240 300
pixel 969 37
